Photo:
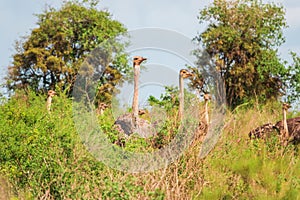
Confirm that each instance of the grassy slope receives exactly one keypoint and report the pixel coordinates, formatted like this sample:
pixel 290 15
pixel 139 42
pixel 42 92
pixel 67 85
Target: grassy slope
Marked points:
pixel 41 156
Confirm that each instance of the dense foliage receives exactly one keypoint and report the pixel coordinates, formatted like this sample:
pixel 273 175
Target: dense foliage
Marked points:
pixel 42 156
pixel 242 38
pixel 54 51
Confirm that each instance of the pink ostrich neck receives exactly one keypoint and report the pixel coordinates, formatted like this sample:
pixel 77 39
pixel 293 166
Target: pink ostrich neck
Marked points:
pixel 135 108
pixel 51 93
pixel 137 60
pixel 285 127
pixel 181 97
pixel 207 97
pixel 206 112
pixel 49 101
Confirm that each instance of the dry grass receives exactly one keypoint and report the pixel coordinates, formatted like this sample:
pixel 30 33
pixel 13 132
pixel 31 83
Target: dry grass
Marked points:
pixel 4 189
pixel 237 168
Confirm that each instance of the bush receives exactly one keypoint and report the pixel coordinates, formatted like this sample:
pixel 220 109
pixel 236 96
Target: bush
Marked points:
pixel 42 156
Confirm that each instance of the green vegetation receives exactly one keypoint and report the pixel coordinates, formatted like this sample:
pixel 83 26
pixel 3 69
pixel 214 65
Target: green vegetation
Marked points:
pixel 243 37
pixel 52 54
pixel 43 157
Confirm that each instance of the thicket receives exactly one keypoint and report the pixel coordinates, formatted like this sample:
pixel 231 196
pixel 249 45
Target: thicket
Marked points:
pixel 42 156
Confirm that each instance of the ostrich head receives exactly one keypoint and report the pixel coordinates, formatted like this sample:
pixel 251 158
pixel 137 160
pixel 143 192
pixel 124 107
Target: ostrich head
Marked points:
pixel 103 106
pixel 142 112
pixel 207 97
pixel 137 60
pixel 185 73
pixel 286 106
pixel 51 93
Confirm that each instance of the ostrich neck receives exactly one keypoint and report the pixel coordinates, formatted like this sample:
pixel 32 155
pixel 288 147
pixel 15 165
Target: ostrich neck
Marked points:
pixel 206 112
pixel 135 101
pixel 181 98
pixel 101 111
pixel 285 127
pixel 49 100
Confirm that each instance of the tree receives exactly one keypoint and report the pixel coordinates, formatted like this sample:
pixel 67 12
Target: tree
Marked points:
pixel 52 55
pixel 292 80
pixel 242 38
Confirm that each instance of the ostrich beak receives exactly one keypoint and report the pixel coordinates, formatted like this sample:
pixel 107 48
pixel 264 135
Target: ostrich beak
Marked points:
pixel 189 74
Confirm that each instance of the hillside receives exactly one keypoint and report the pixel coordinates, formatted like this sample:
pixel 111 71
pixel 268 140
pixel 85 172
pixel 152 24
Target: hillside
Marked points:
pixel 42 157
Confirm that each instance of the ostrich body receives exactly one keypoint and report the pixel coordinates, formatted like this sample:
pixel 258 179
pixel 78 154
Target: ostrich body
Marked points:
pixel 130 122
pixel 289 129
pixel 293 125
pixel 262 131
pixel 183 74
pixel 51 94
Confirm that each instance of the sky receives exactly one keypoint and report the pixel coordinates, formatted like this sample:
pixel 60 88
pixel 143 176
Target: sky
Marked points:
pixel 17 19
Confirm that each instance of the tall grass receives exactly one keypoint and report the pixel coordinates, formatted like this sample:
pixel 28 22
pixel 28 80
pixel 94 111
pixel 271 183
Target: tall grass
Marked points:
pixel 42 157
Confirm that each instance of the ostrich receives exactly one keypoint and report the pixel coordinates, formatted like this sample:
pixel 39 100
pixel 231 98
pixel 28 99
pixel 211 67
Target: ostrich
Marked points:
pixel 137 60
pixel 282 125
pixel 51 94
pixel 293 125
pixel 204 123
pixel 183 74
pixel 101 108
pixel 289 129
pixel 130 122
pixel 207 97
pixel 262 131
pixel 142 112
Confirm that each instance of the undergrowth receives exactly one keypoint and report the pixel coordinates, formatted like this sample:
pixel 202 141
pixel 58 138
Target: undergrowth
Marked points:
pixel 42 156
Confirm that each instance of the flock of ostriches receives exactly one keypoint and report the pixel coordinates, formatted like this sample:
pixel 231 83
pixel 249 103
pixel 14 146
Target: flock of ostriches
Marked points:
pixel 287 129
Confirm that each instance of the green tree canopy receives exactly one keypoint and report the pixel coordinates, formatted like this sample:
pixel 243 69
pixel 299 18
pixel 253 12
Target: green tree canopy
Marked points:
pixel 242 38
pixel 53 53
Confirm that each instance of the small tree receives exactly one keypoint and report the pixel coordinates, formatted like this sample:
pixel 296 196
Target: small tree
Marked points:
pixel 52 55
pixel 292 81
pixel 242 38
